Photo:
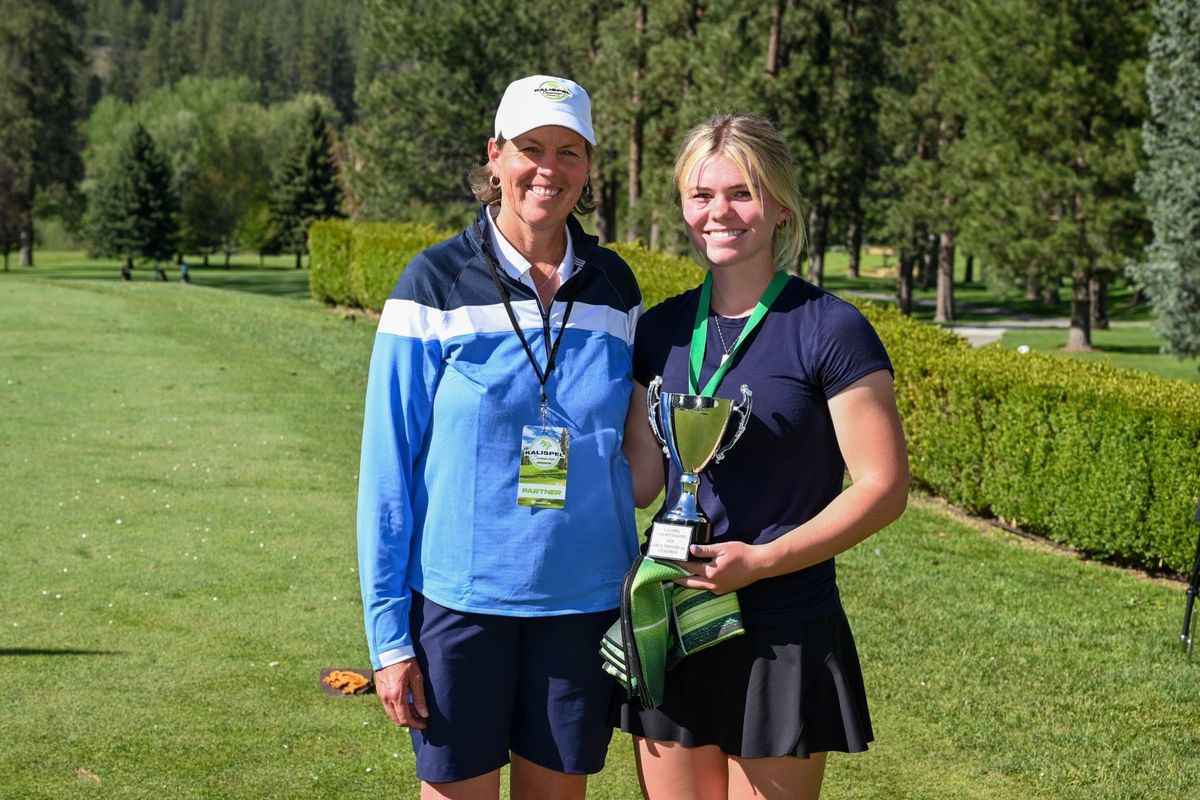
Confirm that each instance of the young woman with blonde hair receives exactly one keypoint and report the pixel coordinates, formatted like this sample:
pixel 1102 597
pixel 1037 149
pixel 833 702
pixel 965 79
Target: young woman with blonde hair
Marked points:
pixel 755 716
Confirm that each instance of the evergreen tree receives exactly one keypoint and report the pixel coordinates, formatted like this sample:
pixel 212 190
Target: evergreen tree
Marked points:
pixel 39 65
pixel 925 123
pixel 133 214
pixel 264 69
pixel 127 27
pixel 1053 92
pixel 912 111
pixel 164 59
pixel 222 24
pixel 339 72
pixel 637 69
pixel 813 67
pixel 868 26
pixel 306 186
pixel 10 233
pixel 802 98
pixel 426 118
pixel 1170 184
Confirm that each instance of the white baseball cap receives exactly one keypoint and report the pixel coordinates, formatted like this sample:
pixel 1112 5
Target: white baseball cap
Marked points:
pixel 540 100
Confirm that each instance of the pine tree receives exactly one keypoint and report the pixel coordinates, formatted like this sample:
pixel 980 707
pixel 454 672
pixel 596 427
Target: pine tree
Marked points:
pixel 340 69
pixel 134 212
pixel 306 186
pixel 1053 95
pixel 128 27
pixel 426 118
pixel 39 65
pixel 164 59
pixel 1170 184
pixel 928 183
pixel 637 69
pixel 10 233
pixel 914 106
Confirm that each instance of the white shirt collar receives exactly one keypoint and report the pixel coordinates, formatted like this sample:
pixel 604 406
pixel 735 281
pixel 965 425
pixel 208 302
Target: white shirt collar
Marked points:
pixel 514 264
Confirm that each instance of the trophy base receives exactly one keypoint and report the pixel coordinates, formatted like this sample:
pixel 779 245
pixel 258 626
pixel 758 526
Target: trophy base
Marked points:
pixel 671 538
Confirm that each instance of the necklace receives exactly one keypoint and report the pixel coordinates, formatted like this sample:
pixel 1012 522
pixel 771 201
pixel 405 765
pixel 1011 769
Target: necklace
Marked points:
pixel 545 281
pixel 721 336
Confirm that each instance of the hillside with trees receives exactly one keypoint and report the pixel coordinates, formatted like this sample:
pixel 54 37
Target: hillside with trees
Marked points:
pixel 1010 131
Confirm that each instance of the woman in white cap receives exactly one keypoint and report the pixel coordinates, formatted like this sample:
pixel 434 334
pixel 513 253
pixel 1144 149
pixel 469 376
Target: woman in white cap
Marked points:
pixel 495 515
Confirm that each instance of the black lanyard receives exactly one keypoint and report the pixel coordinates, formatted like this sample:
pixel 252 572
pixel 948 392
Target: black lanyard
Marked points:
pixel 542 376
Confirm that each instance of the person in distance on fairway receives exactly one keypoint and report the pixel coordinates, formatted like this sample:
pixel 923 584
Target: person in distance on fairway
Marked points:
pixel 755 715
pixel 495 516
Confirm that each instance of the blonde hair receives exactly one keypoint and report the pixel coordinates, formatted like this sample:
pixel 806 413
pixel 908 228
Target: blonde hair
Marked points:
pixel 763 157
pixel 480 180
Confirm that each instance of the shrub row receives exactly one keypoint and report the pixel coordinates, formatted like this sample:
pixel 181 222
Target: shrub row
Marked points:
pixel 1106 461
pixel 1103 460
pixel 357 263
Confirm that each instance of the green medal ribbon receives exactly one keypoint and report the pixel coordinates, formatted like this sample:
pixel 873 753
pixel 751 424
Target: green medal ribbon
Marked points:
pixel 700 332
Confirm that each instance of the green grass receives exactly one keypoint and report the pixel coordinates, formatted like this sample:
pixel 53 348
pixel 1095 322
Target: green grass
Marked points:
pixel 177 565
pixel 975 301
pixel 277 275
pixel 1130 344
pixel 1125 346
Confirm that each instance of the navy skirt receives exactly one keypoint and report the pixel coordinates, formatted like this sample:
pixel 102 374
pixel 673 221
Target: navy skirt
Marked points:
pixel 776 690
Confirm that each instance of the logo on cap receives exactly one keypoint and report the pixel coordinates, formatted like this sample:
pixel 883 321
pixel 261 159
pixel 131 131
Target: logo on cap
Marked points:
pixel 552 90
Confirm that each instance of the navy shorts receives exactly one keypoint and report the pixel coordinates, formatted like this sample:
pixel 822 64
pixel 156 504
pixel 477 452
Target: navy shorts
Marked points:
pixel 530 685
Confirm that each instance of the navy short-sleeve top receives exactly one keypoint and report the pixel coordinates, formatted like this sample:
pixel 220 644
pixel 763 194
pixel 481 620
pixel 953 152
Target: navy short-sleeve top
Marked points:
pixel 787 466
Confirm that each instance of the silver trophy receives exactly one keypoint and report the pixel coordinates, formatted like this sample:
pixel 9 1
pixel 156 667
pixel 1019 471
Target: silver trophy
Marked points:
pixel 690 429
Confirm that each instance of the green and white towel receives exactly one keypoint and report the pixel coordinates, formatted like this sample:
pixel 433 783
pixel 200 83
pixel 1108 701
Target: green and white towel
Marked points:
pixel 661 623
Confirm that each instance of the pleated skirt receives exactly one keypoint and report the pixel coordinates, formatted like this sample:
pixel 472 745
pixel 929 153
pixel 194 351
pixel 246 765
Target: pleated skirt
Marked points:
pixel 777 690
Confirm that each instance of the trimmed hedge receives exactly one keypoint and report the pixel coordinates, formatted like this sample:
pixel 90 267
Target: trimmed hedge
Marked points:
pixel 1103 460
pixel 659 274
pixel 357 263
pixel 329 261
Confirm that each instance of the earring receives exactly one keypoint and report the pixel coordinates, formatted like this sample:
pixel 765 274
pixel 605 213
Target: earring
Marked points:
pixel 587 189
pixel 494 182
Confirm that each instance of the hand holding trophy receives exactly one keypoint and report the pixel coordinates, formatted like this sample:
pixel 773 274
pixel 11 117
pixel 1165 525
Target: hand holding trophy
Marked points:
pixel 690 428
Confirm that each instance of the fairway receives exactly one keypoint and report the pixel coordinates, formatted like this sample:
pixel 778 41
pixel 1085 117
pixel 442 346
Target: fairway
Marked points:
pixel 177 565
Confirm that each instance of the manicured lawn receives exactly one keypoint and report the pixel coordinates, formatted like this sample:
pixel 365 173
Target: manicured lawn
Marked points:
pixel 1130 343
pixel 976 301
pixel 276 276
pixel 1127 346
pixel 177 565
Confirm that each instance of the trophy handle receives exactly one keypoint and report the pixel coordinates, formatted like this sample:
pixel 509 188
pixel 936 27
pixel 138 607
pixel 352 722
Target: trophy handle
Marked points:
pixel 742 409
pixel 653 401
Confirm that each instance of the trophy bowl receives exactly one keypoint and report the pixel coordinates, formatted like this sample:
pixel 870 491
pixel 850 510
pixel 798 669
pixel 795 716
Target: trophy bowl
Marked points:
pixel 690 429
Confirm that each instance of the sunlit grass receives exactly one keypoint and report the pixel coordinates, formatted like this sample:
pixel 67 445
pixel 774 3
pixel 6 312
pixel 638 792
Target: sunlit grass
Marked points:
pixel 177 565
pixel 1135 347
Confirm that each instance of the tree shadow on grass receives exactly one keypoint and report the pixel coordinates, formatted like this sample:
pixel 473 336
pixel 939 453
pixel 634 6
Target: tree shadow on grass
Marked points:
pixel 273 280
pixel 260 283
pixel 35 651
